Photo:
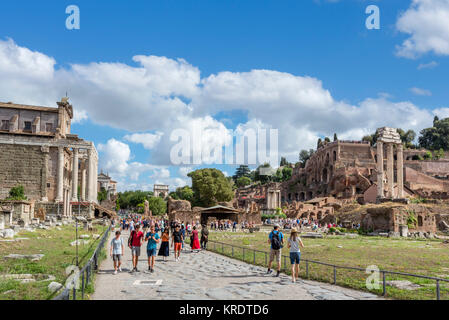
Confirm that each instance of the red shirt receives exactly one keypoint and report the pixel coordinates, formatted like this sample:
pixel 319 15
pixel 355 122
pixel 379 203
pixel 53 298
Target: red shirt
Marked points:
pixel 136 242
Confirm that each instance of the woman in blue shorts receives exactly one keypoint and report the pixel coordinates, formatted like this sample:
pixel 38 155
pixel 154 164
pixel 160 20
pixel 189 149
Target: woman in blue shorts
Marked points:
pixel 294 242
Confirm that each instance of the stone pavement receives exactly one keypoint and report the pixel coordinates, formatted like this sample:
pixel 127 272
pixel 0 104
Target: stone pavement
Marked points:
pixel 207 276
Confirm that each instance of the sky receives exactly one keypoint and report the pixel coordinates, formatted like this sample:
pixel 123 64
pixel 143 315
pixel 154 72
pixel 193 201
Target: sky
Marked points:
pixel 136 72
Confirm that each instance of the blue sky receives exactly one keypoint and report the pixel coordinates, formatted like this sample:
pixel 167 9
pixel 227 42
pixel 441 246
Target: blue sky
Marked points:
pixel 326 72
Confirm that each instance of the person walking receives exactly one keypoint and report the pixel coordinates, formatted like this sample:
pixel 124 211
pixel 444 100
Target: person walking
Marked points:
pixel 177 240
pixel 294 242
pixel 153 239
pixel 117 250
pixel 195 241
pixel 164 250
pixel 183 232
pixel 135 242
pixel 276 240
pixel 204 237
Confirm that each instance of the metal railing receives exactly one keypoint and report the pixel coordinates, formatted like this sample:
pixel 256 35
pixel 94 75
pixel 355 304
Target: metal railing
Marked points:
pixel 308 262
pixel 85 274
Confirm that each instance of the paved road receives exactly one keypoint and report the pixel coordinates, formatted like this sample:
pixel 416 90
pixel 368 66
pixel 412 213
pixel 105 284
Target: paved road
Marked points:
pixel 205 276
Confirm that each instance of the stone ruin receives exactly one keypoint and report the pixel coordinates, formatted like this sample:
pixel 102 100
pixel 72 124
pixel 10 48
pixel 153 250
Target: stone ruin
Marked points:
pixel 399 220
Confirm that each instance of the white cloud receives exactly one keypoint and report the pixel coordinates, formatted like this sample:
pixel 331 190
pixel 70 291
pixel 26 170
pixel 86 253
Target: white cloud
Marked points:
pixel 114 156
pixel 429 65
pixel 162 94
pixel 79 115
pixel 442 113
pixel 427 23
pixel 148 140
pixel 420 92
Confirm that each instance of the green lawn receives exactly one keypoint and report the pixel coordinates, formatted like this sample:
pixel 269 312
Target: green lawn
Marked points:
pixel 423 257
pixel 55 245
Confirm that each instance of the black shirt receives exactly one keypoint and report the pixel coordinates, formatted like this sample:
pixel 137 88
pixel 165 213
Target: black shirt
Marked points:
pixel 177 236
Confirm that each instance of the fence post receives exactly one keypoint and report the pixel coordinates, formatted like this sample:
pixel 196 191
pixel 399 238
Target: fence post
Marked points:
pixel 222 248
pixel 384 293
pixel 335 275
pixel 266 258
pixel 82 286
pixel 74 291
pixel 285 263
pixel 233 251
pixel 438 289
pixel 243 254
pixel 254 260
pixel 307 269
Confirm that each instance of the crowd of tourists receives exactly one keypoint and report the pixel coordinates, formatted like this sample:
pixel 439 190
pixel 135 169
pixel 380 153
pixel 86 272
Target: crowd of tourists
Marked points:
pixel 153 232
pixel 302 223
pixel 173 234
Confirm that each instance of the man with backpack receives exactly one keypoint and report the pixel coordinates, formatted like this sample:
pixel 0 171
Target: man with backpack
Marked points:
pixel 134 243
pixel 276 240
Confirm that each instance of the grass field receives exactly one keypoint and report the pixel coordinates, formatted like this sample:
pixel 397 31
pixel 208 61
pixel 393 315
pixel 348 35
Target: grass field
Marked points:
pixel 58 255
pixel 422 257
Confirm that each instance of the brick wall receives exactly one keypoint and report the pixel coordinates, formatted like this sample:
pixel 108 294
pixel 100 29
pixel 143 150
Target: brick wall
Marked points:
pixel 20 164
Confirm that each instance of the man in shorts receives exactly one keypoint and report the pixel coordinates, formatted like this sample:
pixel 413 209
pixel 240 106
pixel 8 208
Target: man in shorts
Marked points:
pixel 136 240
pixel 117 249
pixel 276 241
pixel 153 239
pixel 177 242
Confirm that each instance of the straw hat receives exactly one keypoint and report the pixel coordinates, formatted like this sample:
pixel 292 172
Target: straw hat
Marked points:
pixel 293 231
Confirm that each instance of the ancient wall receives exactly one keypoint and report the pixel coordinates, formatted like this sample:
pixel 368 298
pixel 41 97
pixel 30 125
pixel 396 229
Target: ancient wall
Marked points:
pixel 22 165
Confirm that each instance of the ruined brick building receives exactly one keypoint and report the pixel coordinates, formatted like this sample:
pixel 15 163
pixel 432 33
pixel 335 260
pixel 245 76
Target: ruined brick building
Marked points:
pixel 38 151
pixel 346 171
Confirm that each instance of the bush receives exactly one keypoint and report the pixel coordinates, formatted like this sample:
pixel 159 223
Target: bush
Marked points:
pixel 332 229
pixel 17 193
pixel 342 229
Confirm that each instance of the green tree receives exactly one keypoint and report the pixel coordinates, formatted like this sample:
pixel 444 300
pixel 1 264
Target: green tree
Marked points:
pixel 130 199
pixel 438 154
pixel 436 137
pixel 210 186
pixel 284 162
pixel 263 173
pixel 286 173
pixel 157 206
pixel 372 139
pixel 242 171
pixel 335 137
pixel 17 193
pixel 102 195
pixel 304 155
pixel 243 182
pixel 407 137
pixel 183 193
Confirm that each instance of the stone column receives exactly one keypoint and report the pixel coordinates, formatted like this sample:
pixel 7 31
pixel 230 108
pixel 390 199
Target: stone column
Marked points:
pixel 380 169
pixel 400 170
pixel 89 176
pixel 390 170
pixel 60 175
pixel 75 175
pixel 83 180
pixel 44 197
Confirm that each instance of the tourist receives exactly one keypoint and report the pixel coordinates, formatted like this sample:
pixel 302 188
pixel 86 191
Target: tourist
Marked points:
pixel 295 253
pixel 234 226
pixel 276 240
pixel 135 242
pixel 183 232
pixel 117 249
pixel 177 240
pixel 164 250
pixel 153 239
pixel 194 240
pixel 204 237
